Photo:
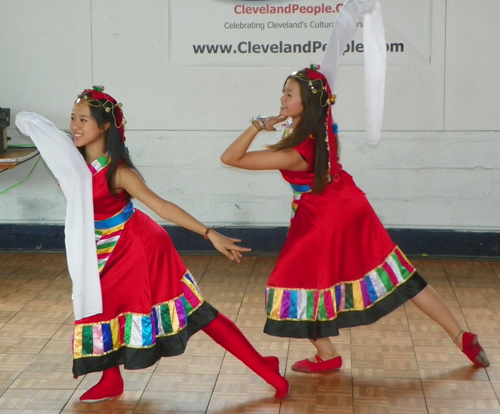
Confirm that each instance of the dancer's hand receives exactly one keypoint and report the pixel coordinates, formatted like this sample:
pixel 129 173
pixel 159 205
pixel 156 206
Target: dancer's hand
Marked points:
pixel 268 122
pixel 227 246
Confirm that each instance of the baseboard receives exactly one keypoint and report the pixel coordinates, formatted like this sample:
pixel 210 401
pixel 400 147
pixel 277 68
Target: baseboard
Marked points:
pixel 269 240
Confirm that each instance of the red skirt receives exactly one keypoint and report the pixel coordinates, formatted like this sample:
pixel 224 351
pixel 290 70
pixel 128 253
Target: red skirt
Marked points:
pixel 338 268
pixel 151 304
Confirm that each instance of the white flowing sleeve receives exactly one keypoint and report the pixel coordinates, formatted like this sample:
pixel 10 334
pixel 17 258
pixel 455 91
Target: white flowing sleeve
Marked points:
pixel 75 178
pixel 375 53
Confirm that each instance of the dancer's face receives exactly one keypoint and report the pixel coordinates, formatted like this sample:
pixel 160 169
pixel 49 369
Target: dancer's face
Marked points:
pixel 291 101
pixel 84 127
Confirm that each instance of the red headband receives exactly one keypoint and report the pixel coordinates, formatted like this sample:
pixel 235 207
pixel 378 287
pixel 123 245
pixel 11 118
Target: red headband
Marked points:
pixel 97 95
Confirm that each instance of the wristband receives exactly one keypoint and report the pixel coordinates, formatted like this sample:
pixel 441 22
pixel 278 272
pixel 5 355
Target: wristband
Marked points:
pixel 256 124
pixel 205 236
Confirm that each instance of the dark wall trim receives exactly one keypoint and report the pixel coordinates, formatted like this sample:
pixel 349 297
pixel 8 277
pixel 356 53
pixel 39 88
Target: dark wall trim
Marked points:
pixel 268 240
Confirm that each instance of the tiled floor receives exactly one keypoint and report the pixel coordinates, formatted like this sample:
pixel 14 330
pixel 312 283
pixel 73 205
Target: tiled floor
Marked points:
pixel 402 364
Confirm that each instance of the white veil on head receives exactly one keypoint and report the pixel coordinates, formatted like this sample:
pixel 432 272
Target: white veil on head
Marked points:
pixel 375 57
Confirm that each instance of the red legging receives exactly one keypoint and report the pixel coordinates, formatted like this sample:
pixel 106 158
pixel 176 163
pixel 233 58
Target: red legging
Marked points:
pixel 223 331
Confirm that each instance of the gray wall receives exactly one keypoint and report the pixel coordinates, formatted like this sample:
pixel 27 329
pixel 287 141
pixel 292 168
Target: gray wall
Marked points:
pixel 437 165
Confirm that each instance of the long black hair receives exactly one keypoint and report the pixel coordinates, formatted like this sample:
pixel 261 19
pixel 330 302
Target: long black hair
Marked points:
pixel 115 146
pixel 311 124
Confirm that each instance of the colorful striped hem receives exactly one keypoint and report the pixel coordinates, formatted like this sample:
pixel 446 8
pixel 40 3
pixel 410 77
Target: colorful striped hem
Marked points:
pixel 138 331
pixel 326 304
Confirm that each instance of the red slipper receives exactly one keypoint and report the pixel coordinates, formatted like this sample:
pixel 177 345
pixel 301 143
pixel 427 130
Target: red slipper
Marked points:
pixel 273 363
pixel 307 366
pixel 284 388
pixel 474 351
pixel 109 386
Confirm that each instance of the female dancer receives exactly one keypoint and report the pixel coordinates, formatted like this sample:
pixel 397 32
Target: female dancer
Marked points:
pixel 338 267
pixel 151 303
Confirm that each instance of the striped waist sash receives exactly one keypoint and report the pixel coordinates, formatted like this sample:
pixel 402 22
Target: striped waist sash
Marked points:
pixel 120 218
pixel 298 190
pixel 108 233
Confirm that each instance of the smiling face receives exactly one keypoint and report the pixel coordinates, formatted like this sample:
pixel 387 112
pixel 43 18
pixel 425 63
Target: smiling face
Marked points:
pixel 291 101
pixel 84 128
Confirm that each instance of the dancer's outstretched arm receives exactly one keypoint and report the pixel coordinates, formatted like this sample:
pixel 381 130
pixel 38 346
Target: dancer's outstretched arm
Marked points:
pixel 129 180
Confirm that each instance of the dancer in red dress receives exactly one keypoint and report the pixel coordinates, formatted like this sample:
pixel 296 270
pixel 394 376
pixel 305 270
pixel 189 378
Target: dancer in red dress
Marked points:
pixel 151 304
pixel 338 268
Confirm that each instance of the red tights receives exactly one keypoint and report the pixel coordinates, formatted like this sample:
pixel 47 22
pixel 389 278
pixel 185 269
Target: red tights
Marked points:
pixel 223 331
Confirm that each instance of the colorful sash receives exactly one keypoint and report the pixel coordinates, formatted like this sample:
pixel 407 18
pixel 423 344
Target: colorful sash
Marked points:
pixel 108 232
pixel 298 190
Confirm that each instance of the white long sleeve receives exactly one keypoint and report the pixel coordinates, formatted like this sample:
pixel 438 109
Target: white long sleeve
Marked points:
pixel 75 178
pixel 375 53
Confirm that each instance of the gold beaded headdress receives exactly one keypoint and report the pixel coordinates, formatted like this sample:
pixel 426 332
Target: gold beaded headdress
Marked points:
pixel 309 75
pixel 97 98
pixel 309 80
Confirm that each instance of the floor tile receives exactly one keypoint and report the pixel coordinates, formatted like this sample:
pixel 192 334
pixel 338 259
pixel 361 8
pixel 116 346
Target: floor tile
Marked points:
pixel 402 364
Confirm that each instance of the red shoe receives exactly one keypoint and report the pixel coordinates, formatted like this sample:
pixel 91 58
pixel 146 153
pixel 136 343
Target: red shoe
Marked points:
pixel 283 390
pixel 307 366
pixel 474 351
pixel 110 385
pixel 273 363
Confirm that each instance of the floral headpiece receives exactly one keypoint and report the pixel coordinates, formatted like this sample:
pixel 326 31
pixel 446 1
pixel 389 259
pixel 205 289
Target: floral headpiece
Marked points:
pixel 97 98
pixel 312 73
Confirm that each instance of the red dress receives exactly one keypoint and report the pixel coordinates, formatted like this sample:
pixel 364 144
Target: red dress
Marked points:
pixel 339 267
pixel 151 303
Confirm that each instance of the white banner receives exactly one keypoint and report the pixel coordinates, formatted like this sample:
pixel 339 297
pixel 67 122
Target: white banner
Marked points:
pixel 286 32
